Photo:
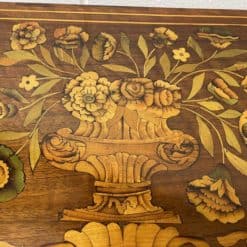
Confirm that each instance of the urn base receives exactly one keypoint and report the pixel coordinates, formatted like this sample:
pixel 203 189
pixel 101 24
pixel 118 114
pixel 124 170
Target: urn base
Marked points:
pixel 122 203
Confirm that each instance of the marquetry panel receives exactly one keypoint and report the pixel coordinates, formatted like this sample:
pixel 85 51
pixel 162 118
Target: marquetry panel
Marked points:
pixel 122 126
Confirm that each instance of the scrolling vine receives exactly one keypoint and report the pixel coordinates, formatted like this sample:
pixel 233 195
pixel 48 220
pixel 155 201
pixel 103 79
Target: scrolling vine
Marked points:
pixel 131 109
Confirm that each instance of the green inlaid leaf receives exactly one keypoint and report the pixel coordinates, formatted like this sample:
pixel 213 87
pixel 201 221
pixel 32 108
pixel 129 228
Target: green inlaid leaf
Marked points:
pixel 211 105
pixel 119 68
pixel 165 64
pixel 228 79
pixel 21 55
pixel 237 66
pixel 42 70
pixel 125 43
pixel 191 42
pixel 34 113
pixel 205 136
pixel 19 180
pixel 142 44
pixel 14 94
pixel 34 149
pixel 229 114
pixel 45 87
pixel 197 84
pixel 47 55
pixel 231 138
pixel 149 64
pixel 186 68
pixel 230 53
pixel 8 193
pixel 63 56
pixel 6 61
pixel 237 162
pixel 12 135
pixel 85 55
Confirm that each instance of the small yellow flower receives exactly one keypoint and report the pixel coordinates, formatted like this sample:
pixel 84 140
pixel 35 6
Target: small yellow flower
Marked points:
pixel 29 82
pixel 181 54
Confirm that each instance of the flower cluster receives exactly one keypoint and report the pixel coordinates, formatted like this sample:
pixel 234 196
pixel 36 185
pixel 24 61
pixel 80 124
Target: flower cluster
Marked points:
pixel 91 98
pixel 88 98
pixel 159 97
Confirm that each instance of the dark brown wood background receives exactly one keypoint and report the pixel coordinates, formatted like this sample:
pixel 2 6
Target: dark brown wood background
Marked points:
pixel 32 218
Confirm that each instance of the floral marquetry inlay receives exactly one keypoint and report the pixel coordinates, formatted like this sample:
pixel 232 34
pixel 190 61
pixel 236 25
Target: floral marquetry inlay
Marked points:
pixel 152 113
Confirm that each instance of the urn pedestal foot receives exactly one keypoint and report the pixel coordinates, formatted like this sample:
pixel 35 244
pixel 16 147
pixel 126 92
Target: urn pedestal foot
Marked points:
pixel 162 217
pixel 122 203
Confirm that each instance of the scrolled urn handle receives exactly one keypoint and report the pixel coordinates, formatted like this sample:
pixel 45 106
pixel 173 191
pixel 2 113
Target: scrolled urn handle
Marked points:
pixel 62 152
pixel 179 153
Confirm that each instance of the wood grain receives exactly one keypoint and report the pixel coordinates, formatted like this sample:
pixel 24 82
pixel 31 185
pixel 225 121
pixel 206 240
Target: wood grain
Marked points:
pixel 33 218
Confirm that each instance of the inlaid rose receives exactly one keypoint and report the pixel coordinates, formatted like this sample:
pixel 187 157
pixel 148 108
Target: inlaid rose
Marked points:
pixel 137 93
pixel 166 100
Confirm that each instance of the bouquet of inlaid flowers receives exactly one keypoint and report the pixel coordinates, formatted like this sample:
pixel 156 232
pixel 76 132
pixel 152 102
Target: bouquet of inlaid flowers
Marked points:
pixel 122 91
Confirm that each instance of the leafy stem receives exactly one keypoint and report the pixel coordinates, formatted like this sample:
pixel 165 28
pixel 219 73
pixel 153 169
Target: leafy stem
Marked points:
pixel 38 100
pixel 40 118
pixel 212 125
pixel 214 115
pixel 173 69
pixel 35 127
pixel 147 60
pixel 75 61
pixel 197 100
pixel 207 70
pixel 208 59
pixel 22 146
pixel 219 118
pixel 200 63
pixel 175 77
pixel 51 67
pixel 54 77
pixel 132 60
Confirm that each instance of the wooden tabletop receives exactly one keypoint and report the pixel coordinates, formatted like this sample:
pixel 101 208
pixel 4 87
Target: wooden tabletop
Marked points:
pixel 122 126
